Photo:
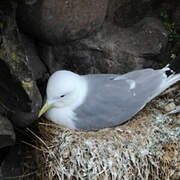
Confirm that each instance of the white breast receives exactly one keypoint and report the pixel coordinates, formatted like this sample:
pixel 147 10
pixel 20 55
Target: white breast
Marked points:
pixel 62 116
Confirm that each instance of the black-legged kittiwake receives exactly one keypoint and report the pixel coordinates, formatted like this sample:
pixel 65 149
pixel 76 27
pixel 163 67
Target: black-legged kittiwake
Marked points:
pixel 97 101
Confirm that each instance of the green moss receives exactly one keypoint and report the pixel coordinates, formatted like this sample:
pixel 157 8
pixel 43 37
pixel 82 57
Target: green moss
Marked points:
pixel 27 85
pixel 14 56
pixel 2 52
pixel 170 26
pixel 30 2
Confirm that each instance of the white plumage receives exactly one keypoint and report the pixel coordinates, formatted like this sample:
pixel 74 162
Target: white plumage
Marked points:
pixel 103 100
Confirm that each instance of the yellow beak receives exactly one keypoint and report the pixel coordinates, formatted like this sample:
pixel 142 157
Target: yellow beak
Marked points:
pixel 44 109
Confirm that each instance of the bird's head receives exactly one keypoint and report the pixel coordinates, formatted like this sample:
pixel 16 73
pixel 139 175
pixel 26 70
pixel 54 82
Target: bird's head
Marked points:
pixel 61 90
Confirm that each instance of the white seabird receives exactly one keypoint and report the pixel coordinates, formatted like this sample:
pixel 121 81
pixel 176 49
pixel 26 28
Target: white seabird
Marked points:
pixel 97 101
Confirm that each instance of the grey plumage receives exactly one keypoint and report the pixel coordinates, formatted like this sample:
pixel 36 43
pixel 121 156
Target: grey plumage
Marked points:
pixel 112 101
pixel 97 101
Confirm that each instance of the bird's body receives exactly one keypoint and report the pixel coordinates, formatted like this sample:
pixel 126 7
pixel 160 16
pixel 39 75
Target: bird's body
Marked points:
pixel 99 101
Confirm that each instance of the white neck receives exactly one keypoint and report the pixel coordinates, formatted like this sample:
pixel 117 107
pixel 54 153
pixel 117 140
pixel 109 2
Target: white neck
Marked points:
pixel 65 115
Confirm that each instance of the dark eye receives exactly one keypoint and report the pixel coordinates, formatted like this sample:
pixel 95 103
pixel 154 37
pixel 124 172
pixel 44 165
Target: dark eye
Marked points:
pixel 62 96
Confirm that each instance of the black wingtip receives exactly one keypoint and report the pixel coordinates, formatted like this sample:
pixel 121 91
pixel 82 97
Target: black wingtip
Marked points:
pixel 174 66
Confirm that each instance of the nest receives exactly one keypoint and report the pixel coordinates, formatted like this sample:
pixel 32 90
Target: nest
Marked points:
pixel 146 147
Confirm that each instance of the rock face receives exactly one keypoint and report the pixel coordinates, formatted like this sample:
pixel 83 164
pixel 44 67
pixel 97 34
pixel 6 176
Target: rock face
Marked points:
pixel 19 96
pixel 176 18
pixel 61 21
pixel 11 166
pixel 35 64
pixel 127 13
pixel 111 50
pixel 7 135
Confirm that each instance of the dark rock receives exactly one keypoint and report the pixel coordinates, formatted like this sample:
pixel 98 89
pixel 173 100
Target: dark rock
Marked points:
pixel 20 99
pixel 126 13
pixel 12 164
pixel 176 18
pixel 1 177
pixel 7 135
pixel 3 152
pixel 57 21
pixel 37 67
pixel 112 50
pixel 46 52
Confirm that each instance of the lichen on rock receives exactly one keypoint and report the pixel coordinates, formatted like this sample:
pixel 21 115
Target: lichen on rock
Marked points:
pixel 19 95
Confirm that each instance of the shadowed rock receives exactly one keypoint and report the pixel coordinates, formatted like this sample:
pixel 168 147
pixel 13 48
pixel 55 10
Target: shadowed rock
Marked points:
pixel 176 19
pixel 19 96
pixel 111 50
pixel 61 21
pixel 129 12
pixel 7 135
pixel 11 166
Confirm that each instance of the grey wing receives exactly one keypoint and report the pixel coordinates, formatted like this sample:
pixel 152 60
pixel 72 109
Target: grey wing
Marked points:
pixel 114 99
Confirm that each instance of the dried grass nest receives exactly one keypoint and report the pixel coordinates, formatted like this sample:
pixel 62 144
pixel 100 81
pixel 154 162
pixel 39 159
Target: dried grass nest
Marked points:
pixel 146 147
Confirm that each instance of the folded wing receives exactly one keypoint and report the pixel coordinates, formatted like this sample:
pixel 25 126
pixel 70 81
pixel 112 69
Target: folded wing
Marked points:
pixel 114 99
